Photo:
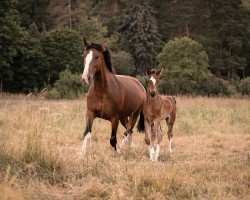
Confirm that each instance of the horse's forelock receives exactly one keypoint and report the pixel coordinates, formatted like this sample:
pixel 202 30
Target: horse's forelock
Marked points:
pixel 106 55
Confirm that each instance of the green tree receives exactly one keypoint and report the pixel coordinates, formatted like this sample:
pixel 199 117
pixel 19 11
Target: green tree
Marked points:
pixel 92 29
pixel 35 11
pixel 138 26
pixel 226 38
pixel 14 44
pixel 62 49
pixel 185 63
pixel 123 62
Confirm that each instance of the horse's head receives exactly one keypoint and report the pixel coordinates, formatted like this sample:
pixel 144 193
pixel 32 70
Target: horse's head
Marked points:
pixel 95 56
pixel 153 79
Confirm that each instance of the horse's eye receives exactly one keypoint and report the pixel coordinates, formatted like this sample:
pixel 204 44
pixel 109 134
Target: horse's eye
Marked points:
pixel 96 57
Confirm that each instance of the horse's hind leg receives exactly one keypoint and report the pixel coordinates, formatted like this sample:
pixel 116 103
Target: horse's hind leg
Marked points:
pixel 170 124
pixel 87 133
pixel 132 122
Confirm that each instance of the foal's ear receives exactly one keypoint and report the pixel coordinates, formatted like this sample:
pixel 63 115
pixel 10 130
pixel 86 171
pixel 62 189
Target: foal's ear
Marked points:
pixel 148 71
pixel 159 72
pixel 86 44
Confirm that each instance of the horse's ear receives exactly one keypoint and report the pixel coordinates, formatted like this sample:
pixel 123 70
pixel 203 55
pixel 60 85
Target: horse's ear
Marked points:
pixel 159 72
pixel 86 44
pixel 148 71
pixel 103 45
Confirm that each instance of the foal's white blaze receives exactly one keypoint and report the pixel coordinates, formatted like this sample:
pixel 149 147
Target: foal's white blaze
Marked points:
pixel 85 143
pixel 86 67
pixel 153 80
pixel 170 145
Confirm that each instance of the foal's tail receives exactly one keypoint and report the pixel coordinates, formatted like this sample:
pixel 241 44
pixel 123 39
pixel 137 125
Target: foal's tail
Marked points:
pixel 140 125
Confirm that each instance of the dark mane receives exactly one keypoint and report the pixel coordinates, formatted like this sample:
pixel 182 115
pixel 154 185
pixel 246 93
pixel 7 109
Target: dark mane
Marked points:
pixel 106 55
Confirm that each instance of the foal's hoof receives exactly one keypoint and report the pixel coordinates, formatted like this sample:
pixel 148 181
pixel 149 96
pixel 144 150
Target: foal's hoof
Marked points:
pixel 132 145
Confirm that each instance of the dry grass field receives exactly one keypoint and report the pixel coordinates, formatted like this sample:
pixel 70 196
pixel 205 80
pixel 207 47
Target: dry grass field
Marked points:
pixel 40 146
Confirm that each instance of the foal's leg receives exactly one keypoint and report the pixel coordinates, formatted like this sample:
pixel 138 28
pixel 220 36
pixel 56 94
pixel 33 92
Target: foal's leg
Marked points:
pixel 170 124
pixel 87 133
pixel 115 122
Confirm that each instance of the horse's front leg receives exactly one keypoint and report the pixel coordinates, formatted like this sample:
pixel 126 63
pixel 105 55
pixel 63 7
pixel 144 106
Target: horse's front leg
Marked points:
pixel 87 133
pixel 113 139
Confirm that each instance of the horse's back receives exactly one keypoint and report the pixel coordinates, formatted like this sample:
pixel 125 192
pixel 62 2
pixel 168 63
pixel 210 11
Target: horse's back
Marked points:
pixel 132 85
pixel 134 92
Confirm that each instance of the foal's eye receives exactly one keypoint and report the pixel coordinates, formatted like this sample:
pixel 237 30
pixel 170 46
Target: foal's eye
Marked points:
pixel 96 57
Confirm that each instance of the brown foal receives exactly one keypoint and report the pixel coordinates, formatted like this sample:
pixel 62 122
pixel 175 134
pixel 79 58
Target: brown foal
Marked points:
pixel 157 108
pixel 111 97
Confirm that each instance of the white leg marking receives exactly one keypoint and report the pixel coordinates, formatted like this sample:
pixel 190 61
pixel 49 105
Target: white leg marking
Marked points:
pixel 151 153
pixel 170 145
pixel 131 143
pixel 85 143
pixel 86 66
pixel 124 140
pixel 157 152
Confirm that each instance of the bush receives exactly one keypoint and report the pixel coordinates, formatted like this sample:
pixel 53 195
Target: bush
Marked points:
pixel 123 62
pixel 186 66
pixel 216 86
pixel 69 86
pixel 244 86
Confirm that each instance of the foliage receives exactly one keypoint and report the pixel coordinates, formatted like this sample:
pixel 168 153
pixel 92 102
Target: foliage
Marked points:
pixel 69 86
pixel 123 62
pixel 92 29
pixel 10 33
pixel 37 41
pixel 138 26
pixel 62 49
pixel 35 12
pixel 244 86
pixel 185 63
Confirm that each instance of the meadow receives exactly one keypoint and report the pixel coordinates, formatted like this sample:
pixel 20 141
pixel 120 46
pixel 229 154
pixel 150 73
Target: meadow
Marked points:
pixel 40 153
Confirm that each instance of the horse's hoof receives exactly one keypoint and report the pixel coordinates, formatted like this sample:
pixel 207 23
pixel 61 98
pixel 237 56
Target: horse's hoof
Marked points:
pixel 118 151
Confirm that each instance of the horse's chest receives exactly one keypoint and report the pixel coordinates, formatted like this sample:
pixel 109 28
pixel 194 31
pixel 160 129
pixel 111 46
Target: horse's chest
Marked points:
pixel 101 108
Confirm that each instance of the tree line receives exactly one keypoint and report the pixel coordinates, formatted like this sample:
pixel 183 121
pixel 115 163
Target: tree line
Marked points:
pixel 203 45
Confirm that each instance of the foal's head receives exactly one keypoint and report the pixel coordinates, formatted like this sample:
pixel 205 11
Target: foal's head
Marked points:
pixel 95 57
pixel 153 79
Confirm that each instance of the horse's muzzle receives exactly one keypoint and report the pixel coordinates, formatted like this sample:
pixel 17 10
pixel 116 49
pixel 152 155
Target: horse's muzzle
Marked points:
pixel 85 79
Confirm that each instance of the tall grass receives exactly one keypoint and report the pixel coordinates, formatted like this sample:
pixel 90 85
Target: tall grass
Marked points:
pixel 40 144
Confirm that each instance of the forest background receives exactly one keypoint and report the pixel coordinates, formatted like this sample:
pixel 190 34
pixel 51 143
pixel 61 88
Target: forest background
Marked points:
pixel 203 45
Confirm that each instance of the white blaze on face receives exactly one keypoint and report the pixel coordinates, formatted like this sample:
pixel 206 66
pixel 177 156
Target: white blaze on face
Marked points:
pixel 153 80
pixel 86 67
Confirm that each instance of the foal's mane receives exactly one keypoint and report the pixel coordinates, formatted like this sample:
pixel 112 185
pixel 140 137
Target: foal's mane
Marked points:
pixel 106 55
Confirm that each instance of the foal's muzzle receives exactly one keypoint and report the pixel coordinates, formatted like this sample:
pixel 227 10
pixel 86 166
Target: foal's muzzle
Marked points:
pixel 152 94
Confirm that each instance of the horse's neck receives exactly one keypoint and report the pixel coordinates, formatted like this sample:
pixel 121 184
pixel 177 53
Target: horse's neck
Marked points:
pixel 101 83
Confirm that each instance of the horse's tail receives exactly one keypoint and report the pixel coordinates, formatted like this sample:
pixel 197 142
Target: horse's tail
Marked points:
pixel 140 125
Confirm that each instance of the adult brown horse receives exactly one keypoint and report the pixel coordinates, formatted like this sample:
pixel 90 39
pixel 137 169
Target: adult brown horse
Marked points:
pixel 110 97
pixel 156 108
